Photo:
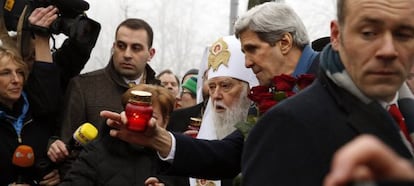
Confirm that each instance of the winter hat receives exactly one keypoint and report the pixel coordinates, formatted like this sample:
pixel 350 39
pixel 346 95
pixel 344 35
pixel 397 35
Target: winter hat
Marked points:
pixel 192 71
pixel 191 85
pixel 320 43
pixel 225 58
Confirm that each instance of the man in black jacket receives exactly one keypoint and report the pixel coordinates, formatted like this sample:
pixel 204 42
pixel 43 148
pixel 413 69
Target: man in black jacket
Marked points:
pixel 361 85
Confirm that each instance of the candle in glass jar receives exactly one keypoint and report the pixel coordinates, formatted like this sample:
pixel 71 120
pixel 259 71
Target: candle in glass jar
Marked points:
pixel 138 110
pixel 195 124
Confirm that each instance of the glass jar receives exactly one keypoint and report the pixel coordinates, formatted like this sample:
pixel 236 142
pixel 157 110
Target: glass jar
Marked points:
pixel 195 124
pixel 138 110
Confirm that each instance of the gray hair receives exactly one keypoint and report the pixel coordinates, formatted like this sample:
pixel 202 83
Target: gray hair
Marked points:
pixel 271 21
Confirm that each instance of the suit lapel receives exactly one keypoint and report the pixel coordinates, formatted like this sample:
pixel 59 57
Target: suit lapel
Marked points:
pixel 367 118
pixel 407 109
pixel 373 119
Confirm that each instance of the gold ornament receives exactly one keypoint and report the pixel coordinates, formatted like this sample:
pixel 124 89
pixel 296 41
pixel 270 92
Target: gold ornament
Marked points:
pixel 219 54
pixel 204 182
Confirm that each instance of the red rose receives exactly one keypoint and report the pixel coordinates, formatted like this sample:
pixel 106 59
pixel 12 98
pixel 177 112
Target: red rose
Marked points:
pixel 266 105
pixel 256 93
pixel 284 82
pixel 304 80
pixel 266 97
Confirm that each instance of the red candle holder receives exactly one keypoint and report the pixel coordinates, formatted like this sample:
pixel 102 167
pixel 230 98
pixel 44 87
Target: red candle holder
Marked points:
pixel 138 110
pixel 195 124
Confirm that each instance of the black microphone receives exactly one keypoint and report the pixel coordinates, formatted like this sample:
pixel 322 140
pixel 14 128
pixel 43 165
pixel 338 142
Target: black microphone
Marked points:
pixel 23 157
pixel 43 167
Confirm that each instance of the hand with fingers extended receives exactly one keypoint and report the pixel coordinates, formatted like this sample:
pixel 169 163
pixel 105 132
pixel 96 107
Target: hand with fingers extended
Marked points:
pixel 43 16
pixel 154 136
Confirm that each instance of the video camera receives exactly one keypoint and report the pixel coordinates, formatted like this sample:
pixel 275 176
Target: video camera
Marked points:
pixel 72 54
pixel 67 8
pixel 71 13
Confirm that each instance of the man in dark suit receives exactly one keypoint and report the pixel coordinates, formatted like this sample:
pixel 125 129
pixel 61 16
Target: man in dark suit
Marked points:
pixel 362 76
pixel 270 49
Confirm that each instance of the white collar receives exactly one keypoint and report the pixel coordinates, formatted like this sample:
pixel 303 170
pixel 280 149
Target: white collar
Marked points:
pixel 386 105
pixel 136 81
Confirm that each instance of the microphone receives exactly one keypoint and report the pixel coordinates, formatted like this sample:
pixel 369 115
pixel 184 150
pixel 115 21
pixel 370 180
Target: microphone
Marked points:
pixel 23 157
pixel 83 135
pixel 43 167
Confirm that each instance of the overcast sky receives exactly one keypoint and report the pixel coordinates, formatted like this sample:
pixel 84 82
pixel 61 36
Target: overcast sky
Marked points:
pixel 183 28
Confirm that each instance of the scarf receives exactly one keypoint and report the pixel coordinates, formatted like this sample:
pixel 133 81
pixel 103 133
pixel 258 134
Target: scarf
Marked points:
pixel 331 64
pixel 305 61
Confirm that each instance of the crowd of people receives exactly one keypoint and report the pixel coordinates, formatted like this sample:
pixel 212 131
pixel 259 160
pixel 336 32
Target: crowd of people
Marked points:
pixel 270 107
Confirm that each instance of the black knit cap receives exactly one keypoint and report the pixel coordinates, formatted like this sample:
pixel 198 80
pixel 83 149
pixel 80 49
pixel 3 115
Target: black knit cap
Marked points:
pixel 320 43
pixel 191 71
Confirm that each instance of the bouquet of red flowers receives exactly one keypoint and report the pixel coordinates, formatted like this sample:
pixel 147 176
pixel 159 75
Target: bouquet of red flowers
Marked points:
pixel 265 97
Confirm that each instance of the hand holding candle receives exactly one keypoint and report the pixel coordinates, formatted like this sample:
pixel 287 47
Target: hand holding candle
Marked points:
pixel 138 110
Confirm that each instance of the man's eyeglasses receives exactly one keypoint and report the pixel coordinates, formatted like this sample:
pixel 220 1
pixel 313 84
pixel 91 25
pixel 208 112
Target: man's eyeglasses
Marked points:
pixel 185 91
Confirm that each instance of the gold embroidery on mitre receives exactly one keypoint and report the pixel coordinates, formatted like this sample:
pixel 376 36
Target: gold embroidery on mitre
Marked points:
pixel 204 182
pixel 219 54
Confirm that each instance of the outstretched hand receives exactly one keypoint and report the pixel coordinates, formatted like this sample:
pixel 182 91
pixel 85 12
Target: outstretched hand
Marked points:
pixel 154 136
pixel 118 122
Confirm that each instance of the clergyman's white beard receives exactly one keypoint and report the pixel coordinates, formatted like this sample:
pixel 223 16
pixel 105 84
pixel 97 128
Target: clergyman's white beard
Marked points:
pixel 224 122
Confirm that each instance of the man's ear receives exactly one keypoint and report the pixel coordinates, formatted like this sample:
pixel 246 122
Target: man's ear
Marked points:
pixel 152 53
pixel 286 43
pixel 335 35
